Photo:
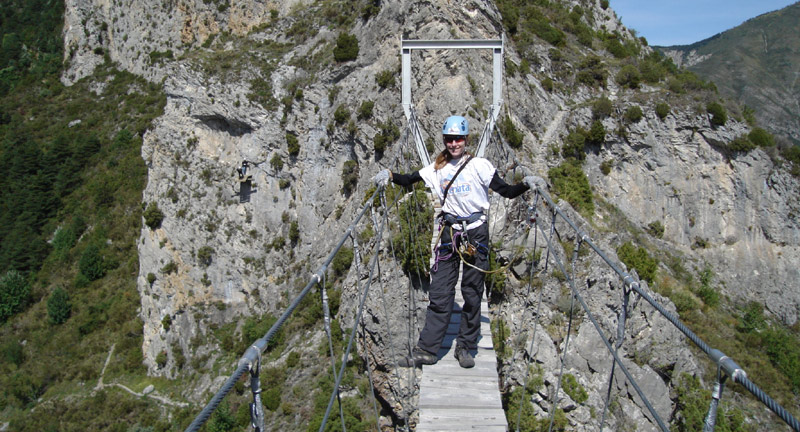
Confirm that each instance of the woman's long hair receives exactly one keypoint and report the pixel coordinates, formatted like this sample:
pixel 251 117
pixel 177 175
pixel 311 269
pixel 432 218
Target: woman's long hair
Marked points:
pixel 444 158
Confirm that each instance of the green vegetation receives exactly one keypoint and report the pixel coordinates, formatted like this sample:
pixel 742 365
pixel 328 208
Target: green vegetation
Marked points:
pixel 341 115
pixel 570 183
pixel 763 347
pixel 757 137
pixel 574 145
pixel 662 110
pixel 548 85
pixel 385 78
pixel 409 237
pixel 292 144
pixel 349 177
pixel 71 212
pixel 606 166
pixel 365 110
pixel 620 49
pixel 629 76
pixel 294 233
pixel 43 159
pixel 31 42
pixel 761 138
pixel 58 306
pixel 276 162
pixel 596 134
pixel 592 72
pixel 204 255
pixel 693 402
pixel 705 291
pixel 633 114
pixel 639 259
pixel 602 108
pixel 656 229
pixel 520 399
pixel 72 171
pixel 342 262
pixel 500 335
pixel 346 48
pixel 655 67
pixel 91 265
pixel 389 133
pixel 741 144
pixel 574 389
pixel 153 216
pixel 719 116
pixel 14 293
pixel 792 154
pixel 511 133
pixel 495 282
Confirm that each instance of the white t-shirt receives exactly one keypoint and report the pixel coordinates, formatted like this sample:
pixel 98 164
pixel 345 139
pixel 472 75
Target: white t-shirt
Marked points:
pixel 470 192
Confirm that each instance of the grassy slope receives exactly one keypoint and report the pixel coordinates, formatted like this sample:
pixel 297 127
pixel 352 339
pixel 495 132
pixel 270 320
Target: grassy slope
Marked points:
pixel 61 363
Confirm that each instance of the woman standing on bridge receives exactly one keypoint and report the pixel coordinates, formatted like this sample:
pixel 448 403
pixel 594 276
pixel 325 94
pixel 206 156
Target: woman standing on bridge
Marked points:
pixel 466 180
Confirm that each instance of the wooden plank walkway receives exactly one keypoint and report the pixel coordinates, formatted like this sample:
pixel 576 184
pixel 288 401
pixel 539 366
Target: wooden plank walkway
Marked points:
pixel 452 398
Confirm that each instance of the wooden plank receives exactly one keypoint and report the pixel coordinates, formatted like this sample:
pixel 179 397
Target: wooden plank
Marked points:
pixel 452 398
pixel 477 417
pixel 456 399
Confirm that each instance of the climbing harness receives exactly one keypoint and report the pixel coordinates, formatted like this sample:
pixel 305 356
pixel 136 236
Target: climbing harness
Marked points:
pixel 461 244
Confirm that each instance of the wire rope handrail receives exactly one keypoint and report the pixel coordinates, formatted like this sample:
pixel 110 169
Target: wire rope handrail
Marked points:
pixel 250 360
pixel 725 363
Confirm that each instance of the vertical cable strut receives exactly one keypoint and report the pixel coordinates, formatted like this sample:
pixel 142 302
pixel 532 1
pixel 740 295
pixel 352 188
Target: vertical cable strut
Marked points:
pixel 571 282
pixel 622 318
pixel 533 212
pixel 256 408
pixel 716 394
pixel 594 322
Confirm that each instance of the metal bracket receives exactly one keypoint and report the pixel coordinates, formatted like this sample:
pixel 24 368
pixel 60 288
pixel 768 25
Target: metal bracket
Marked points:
pixel 496 45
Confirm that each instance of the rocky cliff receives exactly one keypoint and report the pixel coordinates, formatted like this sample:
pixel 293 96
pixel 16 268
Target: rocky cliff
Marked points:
pixel 242 77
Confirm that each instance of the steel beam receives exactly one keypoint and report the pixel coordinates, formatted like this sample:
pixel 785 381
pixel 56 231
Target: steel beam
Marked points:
pixel 496 45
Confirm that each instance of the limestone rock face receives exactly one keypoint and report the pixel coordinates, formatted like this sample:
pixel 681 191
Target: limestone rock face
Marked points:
pixel 731 211
pixel 220 254
pixel 142 35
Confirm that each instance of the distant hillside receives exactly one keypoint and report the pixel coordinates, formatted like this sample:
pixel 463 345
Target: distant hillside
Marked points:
pixel 757 64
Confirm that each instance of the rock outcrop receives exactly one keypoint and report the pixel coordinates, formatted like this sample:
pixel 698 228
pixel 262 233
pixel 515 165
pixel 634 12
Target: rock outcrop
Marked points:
pixel 232 77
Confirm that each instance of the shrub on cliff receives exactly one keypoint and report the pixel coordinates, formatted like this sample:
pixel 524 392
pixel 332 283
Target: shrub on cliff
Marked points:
pixel 346 48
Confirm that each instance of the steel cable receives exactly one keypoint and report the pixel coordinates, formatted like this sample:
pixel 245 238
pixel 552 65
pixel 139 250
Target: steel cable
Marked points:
pixel 571 282
pixel 251 355
pixel 327 321
pixel 534 263
pixel 352 333
pixel 606 342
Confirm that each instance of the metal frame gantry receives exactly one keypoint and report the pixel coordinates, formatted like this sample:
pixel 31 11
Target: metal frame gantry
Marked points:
pixel 496 45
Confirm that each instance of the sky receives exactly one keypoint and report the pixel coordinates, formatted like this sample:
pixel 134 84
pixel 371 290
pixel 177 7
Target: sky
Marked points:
pixel 683 22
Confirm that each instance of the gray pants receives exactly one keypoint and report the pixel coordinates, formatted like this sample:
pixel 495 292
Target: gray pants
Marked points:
pixel 442 295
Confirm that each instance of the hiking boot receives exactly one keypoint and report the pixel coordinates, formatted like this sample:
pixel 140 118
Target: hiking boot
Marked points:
pixel 464 358
pixel 418 357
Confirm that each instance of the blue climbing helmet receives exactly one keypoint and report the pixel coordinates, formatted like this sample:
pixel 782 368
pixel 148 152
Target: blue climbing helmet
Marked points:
pixel 455 125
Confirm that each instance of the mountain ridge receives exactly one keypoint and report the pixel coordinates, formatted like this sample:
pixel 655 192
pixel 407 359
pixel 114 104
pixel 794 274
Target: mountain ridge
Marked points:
pixel 757 64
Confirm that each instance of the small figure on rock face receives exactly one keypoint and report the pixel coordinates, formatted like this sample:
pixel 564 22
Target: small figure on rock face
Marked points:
pixel 242 171
pixel 465 180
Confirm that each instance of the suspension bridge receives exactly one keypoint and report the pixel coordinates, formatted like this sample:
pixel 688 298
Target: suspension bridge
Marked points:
pixel 451 398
